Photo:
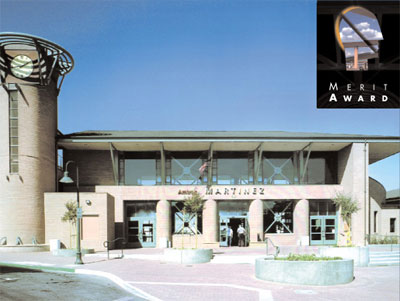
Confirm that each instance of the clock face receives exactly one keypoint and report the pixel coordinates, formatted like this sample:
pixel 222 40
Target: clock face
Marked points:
pixel 21 66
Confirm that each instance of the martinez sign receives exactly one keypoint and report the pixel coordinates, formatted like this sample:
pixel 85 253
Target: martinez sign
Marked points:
pixel 229 191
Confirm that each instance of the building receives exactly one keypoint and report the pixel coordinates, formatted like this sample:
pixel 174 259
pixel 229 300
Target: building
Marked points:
pixel 279 185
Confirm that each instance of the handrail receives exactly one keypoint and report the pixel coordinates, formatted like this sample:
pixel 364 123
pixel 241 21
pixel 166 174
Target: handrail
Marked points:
pixel 277 249
pixel 106 244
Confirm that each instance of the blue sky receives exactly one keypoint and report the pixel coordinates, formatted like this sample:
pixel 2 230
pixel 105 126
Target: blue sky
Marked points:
pixel 368 26
pixel 193 65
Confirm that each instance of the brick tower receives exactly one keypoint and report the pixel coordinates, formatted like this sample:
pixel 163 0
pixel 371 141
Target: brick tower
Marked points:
pixel 32 70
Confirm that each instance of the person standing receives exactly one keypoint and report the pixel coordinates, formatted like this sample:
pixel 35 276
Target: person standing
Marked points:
pixel 241 233
pixel 230 236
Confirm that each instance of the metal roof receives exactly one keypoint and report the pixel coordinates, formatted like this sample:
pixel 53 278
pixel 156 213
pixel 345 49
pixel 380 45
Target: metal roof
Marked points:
pixel 393 194
pixel 253 135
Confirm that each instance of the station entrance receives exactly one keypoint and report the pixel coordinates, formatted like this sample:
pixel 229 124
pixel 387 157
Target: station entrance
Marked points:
pixel 234 223
pixel 140 224
pixel 233 214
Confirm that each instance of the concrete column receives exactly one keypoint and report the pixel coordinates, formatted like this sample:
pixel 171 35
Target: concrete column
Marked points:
pixel 301 222
pixel 353 176
pixel 163 228
pixel 256 220
pixel 210 222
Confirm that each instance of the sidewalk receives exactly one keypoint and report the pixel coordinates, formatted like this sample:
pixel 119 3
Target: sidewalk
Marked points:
pixel 230 276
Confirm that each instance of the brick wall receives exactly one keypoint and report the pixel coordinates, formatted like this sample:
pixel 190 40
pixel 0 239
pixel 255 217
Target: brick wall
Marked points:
pixel 95 168
pixel 99 215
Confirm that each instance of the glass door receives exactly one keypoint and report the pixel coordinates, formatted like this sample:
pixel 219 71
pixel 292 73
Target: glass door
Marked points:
pixel 141 232
pixel 330 230
pixel 223 232
pixel 323 230
pixel 147 237
pixel 316 230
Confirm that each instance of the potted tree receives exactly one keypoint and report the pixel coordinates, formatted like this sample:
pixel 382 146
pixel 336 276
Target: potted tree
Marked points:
pixel 360 255
pixel 192 205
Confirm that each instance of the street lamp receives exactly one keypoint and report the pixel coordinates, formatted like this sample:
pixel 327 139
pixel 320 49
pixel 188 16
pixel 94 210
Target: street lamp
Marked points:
pixel 67 180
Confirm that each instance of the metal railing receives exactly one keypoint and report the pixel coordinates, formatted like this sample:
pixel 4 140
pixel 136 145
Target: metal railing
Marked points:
pixel 107 243
pixel 277 249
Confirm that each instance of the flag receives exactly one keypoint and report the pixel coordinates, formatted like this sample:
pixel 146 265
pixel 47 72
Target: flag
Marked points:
pixel 202 169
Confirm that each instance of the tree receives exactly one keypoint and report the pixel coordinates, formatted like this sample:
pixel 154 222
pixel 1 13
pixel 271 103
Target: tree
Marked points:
pixel 193 205
pixel 70 217
pixel 348 206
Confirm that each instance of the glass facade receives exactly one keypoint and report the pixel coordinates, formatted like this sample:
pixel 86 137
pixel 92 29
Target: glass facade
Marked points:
pixel 278 216
pixel 322 207
pixel 139 169
pixel 233 208
pixel 185 223
pixel 321 168
pixel 233 168
pixel 279 168
pixel 228 168
pixel 184 169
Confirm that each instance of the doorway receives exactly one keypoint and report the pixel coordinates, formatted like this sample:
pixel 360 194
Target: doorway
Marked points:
pixel 234 222
pixel 140 224
pixel 323 230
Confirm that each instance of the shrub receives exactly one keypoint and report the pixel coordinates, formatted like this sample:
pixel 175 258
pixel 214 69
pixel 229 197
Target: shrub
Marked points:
pixel 306 257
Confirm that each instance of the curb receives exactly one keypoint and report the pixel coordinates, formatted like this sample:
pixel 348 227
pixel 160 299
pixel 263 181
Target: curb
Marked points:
pixel 37 267
pixel 115 279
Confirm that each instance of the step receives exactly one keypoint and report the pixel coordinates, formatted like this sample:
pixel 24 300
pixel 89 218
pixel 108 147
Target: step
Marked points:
pixel 384 263
pixel 383 256
pixel 384 253
pixel 384 260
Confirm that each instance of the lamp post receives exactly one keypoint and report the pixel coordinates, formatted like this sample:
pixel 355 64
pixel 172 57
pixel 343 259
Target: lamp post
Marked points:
pixel 67 180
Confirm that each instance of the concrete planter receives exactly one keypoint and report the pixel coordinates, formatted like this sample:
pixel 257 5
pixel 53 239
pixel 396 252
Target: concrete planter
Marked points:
pixel 188 256
pixel 71 252
pixel 360 255
pixel 324 272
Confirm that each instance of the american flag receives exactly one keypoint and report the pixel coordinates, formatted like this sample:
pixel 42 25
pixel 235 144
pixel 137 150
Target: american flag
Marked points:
pixel 202 169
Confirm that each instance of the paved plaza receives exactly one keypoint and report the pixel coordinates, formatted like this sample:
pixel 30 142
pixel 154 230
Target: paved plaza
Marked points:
pixel 230 276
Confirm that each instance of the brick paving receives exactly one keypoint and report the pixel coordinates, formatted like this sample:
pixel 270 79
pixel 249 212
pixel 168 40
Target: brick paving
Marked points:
pixel 145 269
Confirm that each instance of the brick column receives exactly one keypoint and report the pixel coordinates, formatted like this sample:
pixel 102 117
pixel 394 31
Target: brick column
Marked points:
pixel 256 220
pixel 163 232
pixel 210 222
pixel 301 222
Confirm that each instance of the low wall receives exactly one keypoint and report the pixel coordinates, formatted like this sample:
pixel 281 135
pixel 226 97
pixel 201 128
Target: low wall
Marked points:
pixel 360 255
pixel 329 272
pixel 188 256
pixel 24 248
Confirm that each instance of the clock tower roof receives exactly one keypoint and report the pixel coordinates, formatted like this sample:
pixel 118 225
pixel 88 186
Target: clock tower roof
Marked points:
pixel 11 40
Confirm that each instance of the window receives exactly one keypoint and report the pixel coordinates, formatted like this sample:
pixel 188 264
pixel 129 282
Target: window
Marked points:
pixel 392 225
pixel 375 215
pixel 13 130
pixel 233 168
pixel 283 168
pixel 185 223
pixel 321 168
pixel 279 168
pixel 322 207
pixel 278 217
pixel 184 168
pixel 140 169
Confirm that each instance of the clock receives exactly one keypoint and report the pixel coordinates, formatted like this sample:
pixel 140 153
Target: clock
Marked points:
pixel 21 66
